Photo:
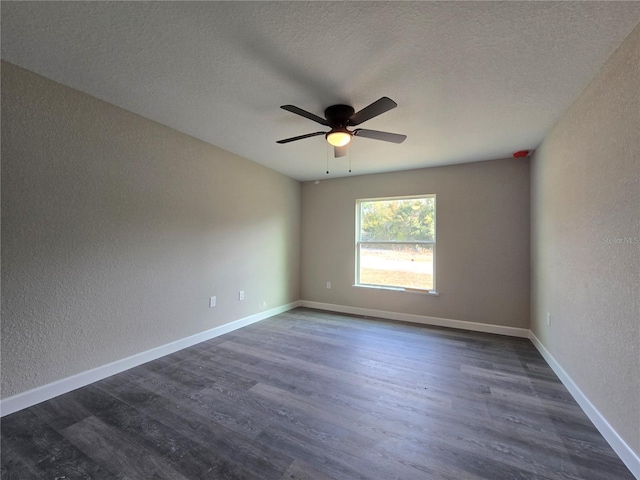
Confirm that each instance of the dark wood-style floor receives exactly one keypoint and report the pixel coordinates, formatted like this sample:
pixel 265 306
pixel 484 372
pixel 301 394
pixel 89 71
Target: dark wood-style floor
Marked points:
pixel 315 395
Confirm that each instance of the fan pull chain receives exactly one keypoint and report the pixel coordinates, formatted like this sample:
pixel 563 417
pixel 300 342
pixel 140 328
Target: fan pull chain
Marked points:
pixel 349 158
pixel 328 148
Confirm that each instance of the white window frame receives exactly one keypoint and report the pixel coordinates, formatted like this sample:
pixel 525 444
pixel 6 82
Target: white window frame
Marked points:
pixel 358 243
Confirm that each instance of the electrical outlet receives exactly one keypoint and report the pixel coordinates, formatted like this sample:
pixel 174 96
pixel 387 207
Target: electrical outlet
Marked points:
pixel 548 319
pixel 212 302
pixel 328 284
pixel 241 295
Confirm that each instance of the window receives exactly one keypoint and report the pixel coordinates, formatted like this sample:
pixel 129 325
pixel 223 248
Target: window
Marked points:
pixel 396 242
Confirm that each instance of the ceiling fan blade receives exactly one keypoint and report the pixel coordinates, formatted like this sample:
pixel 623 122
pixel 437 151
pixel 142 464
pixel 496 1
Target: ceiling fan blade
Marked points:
pixel 340 151
pixel 300 137
pixel 305 114
pixel 377 135
pixel 376 108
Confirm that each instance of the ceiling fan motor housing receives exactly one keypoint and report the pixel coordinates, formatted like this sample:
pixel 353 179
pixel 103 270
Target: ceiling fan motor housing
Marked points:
pixel 338 115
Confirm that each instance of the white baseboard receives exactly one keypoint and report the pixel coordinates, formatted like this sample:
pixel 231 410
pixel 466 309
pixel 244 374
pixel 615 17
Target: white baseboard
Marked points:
pixel 626 454
pixel 407 317
pixel 40 394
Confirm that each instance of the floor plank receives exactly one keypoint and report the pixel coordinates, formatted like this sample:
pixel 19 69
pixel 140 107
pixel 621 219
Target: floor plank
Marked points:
pixel 318 395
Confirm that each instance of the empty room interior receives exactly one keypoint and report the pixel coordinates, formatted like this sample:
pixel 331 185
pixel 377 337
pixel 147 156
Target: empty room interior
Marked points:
pixel 320 240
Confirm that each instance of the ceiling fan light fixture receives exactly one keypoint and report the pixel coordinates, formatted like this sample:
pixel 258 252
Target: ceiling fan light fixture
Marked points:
pixel 339 138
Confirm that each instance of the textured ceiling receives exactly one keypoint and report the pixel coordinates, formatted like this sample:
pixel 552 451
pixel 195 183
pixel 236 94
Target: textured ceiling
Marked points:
pixel 473 80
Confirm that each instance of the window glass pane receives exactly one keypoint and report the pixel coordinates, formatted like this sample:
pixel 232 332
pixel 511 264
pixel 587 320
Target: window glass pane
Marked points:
pixel 408 266
pixel 399 220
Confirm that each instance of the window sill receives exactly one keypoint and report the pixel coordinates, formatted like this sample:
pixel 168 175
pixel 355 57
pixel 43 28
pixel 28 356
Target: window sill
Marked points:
pixel 432 293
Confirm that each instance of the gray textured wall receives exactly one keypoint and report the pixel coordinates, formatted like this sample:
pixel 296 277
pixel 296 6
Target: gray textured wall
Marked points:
pixel 585 241
pixel 482 259
pixel 116 230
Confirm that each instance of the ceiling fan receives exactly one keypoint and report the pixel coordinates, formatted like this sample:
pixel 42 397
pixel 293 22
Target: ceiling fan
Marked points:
pixel 339 117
